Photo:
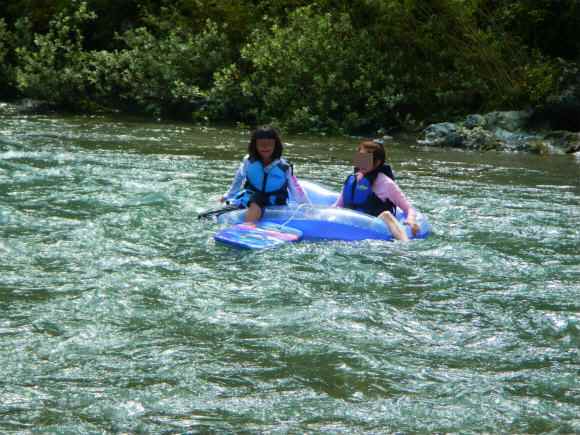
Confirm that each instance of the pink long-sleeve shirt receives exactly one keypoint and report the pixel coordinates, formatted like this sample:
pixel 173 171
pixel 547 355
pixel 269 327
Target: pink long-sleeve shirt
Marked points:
pixel 385 188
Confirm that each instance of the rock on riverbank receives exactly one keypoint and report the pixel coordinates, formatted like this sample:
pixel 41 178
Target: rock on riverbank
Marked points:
pixel 502 131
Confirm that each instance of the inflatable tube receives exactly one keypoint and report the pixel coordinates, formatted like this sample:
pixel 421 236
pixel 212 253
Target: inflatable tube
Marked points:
pixel 317 194
pixel 320 221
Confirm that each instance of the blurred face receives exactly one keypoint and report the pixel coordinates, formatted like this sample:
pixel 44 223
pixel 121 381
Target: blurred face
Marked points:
pixel 265 148
pixel 364 161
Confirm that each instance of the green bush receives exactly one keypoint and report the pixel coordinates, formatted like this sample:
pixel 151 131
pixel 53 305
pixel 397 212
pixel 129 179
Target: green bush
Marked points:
pixel 452 63
pixel 5 73
pixel 4 35
pixel 54 68
pixel 316 73
pixel 550 27
pixel 335 65
pixel 168 74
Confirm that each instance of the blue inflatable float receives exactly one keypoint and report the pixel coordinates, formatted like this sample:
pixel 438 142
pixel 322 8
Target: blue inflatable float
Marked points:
pixel 321 221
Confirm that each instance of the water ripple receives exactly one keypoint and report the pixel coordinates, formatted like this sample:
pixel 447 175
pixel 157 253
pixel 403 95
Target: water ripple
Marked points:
pixel 121 314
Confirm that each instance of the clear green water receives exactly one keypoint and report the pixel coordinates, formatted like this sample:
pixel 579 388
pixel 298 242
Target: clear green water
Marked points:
pixel 119 314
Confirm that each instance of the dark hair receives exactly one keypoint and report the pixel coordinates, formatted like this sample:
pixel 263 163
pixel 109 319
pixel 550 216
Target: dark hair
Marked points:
pixel 265 132
pixel 374 147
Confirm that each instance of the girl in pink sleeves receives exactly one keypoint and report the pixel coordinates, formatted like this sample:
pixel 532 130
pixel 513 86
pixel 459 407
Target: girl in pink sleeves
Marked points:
pixel 371 189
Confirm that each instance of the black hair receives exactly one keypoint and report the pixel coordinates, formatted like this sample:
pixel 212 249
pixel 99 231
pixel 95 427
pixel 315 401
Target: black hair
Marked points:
pixel 265 132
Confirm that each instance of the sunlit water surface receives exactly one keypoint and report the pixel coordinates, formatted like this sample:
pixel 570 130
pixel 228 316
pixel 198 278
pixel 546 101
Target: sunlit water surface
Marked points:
pixel 119 313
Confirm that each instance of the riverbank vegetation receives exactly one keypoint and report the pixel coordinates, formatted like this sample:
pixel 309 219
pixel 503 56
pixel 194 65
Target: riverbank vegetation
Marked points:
pixel 324 65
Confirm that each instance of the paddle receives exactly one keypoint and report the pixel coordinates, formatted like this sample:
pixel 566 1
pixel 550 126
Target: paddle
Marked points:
pixel 217 212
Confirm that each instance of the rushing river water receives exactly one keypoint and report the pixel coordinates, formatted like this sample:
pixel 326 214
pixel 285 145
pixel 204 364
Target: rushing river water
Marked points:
pixel 119 313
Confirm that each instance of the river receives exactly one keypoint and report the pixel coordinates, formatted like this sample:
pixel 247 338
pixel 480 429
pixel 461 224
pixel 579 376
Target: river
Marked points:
pixel 120 314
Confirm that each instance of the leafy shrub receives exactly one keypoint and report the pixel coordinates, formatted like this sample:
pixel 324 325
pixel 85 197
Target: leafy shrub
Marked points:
pixel 4 35
pixel 54 68
pixel 5 73
pixel 451 62
pixel 316 73
pixel 551 27
pixel 334 65
pixel 167 74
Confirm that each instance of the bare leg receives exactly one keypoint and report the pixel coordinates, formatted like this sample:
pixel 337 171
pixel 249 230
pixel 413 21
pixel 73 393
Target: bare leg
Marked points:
pixel 396 229
pixel 253 214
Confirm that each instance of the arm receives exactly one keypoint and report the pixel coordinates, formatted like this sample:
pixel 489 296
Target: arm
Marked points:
pixel 236 185
pixel 296 190
pixel 339 201
pixel 385 188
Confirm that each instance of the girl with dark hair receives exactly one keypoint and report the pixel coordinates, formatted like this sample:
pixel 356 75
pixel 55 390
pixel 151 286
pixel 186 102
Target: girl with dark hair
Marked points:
pixel 372 189
pixel 265 176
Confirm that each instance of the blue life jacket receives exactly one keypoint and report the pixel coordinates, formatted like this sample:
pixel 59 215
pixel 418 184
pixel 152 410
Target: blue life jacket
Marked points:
pixel 359 195
pixel 266 188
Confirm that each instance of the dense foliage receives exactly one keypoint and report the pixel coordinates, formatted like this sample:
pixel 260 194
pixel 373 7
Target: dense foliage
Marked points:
pixel 316 72
pixel 357 65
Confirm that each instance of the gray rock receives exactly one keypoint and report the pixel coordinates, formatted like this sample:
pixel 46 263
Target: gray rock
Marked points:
pixel 29 106
pixel 442 134
pixel 566 141
pixel 473 121
pixel 480 139
pixel 514 120
pixel 493 131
